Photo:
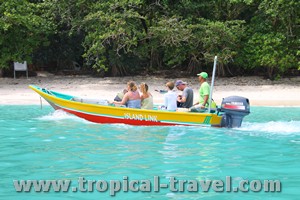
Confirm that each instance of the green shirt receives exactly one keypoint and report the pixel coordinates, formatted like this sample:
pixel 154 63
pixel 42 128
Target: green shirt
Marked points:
pixel 203 91
pixel 147 103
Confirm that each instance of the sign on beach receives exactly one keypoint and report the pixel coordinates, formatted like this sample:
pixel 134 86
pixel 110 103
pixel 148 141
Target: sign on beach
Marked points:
pixel 20 67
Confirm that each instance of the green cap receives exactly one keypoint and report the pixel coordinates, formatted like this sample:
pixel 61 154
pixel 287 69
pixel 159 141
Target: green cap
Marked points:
pixel 203 74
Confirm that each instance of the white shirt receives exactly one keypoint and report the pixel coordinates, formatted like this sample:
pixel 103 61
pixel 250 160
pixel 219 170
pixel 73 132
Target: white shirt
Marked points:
pixel 171 100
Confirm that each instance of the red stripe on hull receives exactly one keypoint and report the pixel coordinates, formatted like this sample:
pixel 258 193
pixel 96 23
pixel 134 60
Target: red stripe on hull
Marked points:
pixel 110 120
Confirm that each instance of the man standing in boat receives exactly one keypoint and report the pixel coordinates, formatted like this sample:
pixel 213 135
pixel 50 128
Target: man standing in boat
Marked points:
pixel 186 99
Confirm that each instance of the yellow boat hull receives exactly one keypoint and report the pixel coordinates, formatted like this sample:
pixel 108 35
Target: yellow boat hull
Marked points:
pixel 110 114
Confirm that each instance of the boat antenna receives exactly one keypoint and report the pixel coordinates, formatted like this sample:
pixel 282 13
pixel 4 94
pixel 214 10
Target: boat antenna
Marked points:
pixel 212 84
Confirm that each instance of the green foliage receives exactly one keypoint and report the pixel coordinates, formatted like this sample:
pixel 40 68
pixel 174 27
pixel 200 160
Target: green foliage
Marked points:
pixel 222 39
pixel 298 55
pixel 271 51
pixel 22 30
pixel 174 38
pixel 272 41
pixel 66 37
pixel 199 42
pixel 128 36
pixel 114 30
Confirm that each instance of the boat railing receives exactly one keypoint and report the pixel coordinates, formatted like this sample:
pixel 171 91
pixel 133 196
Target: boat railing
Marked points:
pixel 45 90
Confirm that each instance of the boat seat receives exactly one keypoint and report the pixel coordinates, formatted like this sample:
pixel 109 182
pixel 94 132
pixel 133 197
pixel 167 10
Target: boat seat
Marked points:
pixel 91 101
pixel 199 110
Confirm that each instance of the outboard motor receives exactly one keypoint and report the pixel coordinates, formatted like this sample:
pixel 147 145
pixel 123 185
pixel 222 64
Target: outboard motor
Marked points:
pixel 234 108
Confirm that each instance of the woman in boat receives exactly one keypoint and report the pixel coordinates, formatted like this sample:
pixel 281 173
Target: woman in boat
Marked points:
pixel 132 98
pixel 146 97
pixel 120 95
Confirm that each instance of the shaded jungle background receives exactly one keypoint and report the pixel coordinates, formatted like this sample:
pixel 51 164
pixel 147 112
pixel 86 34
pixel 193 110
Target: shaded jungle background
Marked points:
pixel 130 37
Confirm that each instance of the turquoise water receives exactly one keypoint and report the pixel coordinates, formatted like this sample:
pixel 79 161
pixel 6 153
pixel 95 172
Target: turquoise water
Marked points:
pixel 47 144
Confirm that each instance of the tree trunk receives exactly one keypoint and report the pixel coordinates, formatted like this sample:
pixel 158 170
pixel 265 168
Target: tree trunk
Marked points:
pixel 270 71
pixel 194 66
pixel 118 71
pixel 220 69
pixel 155 61
pixel 1 72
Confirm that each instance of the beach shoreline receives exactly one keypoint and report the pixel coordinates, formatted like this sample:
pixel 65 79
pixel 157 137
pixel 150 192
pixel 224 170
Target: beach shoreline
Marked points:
pixel 259 91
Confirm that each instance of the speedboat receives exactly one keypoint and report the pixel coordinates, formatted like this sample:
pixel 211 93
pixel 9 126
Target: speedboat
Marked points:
pixel 230 114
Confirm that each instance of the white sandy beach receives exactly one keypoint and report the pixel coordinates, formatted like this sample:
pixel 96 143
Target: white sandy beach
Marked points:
pixel 261 92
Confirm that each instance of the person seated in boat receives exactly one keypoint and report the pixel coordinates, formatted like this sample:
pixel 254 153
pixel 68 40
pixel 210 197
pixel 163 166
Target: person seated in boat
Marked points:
pixel 146 97
pixel 186 99
pixel 170 98
pixel 120 95
pixel 132 98
pixel 204 91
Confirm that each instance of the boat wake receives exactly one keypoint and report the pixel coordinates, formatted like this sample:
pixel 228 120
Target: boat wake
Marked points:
pixel 273 127
pixel 59 115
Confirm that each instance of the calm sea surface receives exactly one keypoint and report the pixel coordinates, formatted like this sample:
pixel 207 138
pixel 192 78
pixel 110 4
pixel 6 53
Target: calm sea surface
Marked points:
pixel 52 145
